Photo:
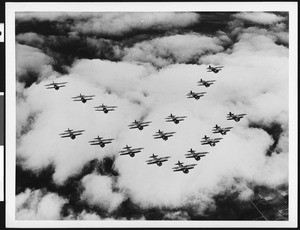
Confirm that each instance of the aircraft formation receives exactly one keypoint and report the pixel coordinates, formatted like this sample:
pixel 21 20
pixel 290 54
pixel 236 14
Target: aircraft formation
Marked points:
pixel 141 124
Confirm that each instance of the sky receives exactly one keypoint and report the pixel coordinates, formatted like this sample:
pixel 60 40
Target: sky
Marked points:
pixel 146 63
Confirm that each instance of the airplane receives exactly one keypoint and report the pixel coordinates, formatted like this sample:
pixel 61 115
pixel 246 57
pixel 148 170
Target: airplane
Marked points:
pixel 210 141
pixel 192 154
pixel 215 69
pixel 71 133
pixel 205 83
pixel 100 141
pixel 184 168
pixel 223 131
pixel 139 124
pixel 157 160
pixel 236 117
pixel 83 98
pixel 129 151
pixel 163 135
pixel 197 96
pixel 105 108
pixel 56 85
pixel 175 119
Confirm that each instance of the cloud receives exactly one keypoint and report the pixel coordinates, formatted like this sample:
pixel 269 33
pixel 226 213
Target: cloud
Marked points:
pixel 36 205
pixel 174 49
pixel 259 17
pixel 98 191
pixel 253 81
pixel 32 64
pixel 120 23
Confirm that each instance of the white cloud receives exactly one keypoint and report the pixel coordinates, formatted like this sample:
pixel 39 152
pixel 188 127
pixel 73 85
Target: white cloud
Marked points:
pixel 35 205
pixel 32 39
pixel 176 48
pixel 32 60
pixel 98 191
pixel 260 17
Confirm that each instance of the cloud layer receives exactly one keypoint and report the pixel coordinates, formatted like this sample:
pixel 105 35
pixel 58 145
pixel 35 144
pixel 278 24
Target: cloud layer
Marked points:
pixel 148 79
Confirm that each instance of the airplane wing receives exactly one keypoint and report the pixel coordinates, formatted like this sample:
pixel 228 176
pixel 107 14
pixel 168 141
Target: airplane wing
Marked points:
pixel 205 143
pixel 135 150
pixel 52 87
pixel 154 161
pixel 96 143
pixel 134 124
pixel 77 131
pixel 107 141
pixel 191 166
pixel 77 134
pixel 169 120
pixel 169 134
pixel 230 117
pixel 216 130
pixel 111 106
pixel 49 84
pixel 149 162
pixel 162 159
pixel 189 155
pixel 144 124
pixel 110 109
pixel 76 97
pixel 217 139
pixel 241 115
pixel 178 168
pixel 64 133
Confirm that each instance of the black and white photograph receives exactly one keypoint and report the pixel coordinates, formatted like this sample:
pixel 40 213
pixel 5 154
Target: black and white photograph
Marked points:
pixel 135 116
